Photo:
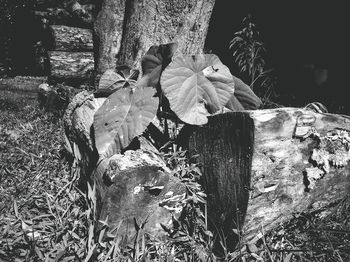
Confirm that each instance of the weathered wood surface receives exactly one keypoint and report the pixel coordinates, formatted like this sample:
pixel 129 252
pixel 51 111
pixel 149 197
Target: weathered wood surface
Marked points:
pixel 280 181
pixel 225 148
pixel 68 38
pixel 73 68
pixel 280 162
pixel 109 30
pixel 237 147
pixel 136 185
pixel 149 23
pixel 78 121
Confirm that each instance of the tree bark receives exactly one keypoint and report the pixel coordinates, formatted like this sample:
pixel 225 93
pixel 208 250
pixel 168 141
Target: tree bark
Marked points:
pixel 225 148
pixel 127 29
pixel 109 29
pixel 68 38
pixel 288 174
pixel 73 68
pixel 281 162
pixel 78 120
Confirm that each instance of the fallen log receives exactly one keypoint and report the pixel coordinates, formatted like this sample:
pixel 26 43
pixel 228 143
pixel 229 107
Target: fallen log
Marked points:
pixel 259 167
pixel 283 182
pixel 295 166
pixel 66 38
pixel 134 187
pixel 72 68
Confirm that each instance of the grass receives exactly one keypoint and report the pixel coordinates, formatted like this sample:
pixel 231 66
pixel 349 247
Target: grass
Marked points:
pixel 37 207
pixel 44 217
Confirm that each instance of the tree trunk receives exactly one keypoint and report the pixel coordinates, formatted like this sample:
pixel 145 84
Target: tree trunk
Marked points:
pixel 73 68
pixel 109 30
pixel 289 174
pixel 68 38
pixel 127 29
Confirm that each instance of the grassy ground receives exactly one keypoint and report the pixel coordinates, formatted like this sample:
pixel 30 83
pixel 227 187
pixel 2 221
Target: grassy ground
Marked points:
pixel 43 217
pixel 38 203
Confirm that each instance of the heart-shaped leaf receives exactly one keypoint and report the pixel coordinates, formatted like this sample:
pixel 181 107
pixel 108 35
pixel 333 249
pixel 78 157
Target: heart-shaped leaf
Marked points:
pixel 197 86
pixel 154 61
pixel 112 80
pixel 124 115
pixel 246 98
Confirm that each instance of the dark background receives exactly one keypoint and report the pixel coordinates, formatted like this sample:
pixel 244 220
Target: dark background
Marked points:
pixel 296 34
pixel 301 38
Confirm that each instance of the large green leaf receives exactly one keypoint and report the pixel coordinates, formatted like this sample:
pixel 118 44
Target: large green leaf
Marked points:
pixel 154 61
pixel 124 115
pixel 197 86
pixel 244 97
pixel 113 80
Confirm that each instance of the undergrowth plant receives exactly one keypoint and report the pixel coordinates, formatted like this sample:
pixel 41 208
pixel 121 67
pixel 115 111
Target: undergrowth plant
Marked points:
pixel 182 89
pixel 249 54
pixel 188 88
pixel 249 50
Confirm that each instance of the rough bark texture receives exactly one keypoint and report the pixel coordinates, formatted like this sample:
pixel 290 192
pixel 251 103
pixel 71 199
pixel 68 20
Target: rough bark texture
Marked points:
pixel 73 68
pixel 78 121
pixel 280 162
pixel 289 175
pixel 129 30
pixel 68 38
pixel 225 148
pixel 109 29
pixel 155 22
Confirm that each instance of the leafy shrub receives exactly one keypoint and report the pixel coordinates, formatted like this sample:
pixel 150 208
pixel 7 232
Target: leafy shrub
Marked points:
pixel 248 49
pixel 189 87
pixel 249 53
